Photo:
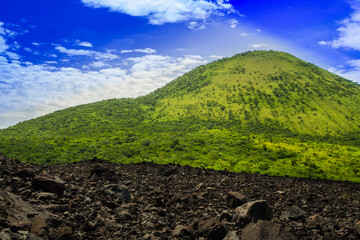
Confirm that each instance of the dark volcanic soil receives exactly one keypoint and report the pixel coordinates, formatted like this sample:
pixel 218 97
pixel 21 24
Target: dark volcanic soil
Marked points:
pixel 168 202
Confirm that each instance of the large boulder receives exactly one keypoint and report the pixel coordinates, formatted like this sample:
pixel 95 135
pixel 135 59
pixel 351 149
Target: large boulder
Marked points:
pixel 117 191
pixel 252 212
pixel 49 184
pixel 265 230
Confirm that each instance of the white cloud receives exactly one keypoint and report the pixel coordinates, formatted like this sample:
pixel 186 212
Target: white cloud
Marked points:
pixel 194 25
pixel 258 30
pixel 355 63
pixel 349 31
pixel 12 55
pixel 322 43
pixel 83 43
pixel 244 34
pixel 36 44
pixel 233 23
pixel 216 56
pixel 349 70
pixel 164 11
pixel 2 30
pixel 35 90
pixel 258 45
pixel 88 53
pixel 145 50
pixel 3 45
pixel 97 64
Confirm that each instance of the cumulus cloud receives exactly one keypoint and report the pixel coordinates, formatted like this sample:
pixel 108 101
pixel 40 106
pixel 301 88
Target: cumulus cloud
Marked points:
pixel 88 53
pixel 159 12
pixel 83 43
pixel 258 45
pixel 233 23
pixel 349 31
pixel 145 50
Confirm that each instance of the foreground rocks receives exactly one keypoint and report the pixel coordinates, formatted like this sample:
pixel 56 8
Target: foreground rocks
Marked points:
pixel 101 200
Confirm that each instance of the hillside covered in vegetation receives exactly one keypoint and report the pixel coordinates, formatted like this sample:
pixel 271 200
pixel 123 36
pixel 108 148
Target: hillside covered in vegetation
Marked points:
pixel 262 112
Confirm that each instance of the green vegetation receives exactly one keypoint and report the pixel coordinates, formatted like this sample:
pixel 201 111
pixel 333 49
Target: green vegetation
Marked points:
pixel 262 112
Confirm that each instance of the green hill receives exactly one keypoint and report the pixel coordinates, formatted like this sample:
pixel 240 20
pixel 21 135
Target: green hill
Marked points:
pixel 264 112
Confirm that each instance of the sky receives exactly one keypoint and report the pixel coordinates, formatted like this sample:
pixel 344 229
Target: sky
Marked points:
pixel 57 54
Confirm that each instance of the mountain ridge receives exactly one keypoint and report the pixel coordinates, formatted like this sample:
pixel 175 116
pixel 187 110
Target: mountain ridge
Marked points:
pixel 265 112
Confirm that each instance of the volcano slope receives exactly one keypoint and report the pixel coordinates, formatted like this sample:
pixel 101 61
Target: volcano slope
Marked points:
pixel 259 112
pixel 168 202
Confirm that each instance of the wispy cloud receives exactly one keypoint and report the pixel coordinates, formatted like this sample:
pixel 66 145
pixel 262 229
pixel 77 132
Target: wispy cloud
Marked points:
pixel 195 25
pixel 145 50
pixel 216 56
pixel 258 45
pixel 159 12
pixel 88 53
pixel 244 34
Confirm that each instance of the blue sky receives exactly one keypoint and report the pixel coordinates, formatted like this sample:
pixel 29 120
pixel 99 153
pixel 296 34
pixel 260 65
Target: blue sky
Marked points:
pixel 57 54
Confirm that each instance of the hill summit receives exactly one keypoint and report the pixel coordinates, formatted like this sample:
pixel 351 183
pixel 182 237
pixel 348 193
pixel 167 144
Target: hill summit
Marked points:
pixel 263 112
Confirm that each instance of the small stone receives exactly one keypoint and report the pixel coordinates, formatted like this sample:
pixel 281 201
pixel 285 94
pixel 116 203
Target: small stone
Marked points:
pixel 265 230
pixel 294 213
pixel 212 229
pixel 94 178
pixel 38 226
pixel 4 236
pixel 235 199
pixel 357 227
pixel 314 221
pixel 63 233
pixel 22 232
pixel 44 196
pixel 181 230
pixel 231 236
pixel 125 215
pixel 252 212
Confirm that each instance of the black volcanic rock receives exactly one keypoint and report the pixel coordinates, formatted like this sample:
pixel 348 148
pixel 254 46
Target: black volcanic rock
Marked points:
pixel 188 204
pixel 48 184
pixel 265 230
pixel 253 211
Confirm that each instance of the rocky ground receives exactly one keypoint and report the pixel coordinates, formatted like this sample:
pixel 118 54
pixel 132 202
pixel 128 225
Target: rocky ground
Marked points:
pixel 101 200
